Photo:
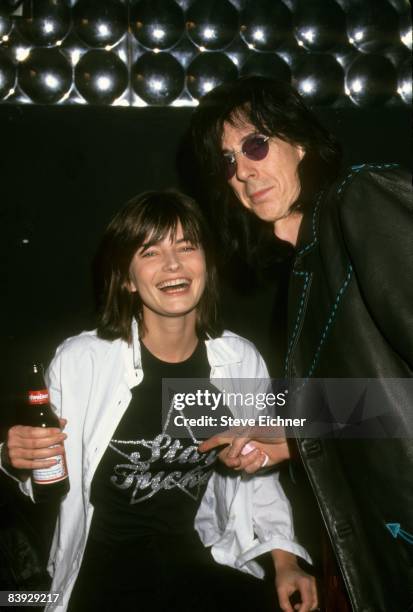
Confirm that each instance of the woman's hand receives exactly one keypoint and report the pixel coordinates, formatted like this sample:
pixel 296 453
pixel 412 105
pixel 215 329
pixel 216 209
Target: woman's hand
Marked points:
pixel 290 579
pixel 248 450
pixel 29 448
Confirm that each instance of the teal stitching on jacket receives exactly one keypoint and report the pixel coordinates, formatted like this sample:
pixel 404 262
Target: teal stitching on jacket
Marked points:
pixel 376 166
pixel 330 319
pixel 354 169
pixel 326 328
pixel 314 240
pixel 297 321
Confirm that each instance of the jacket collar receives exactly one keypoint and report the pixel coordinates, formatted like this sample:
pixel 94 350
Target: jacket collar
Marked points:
pixel 132 358
pixel 218 350
pixel 136 346
pixel 308 233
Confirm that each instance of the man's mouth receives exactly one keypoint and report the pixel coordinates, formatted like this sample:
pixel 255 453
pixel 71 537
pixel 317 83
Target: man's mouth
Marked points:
pixel 258 195
pixel 175 285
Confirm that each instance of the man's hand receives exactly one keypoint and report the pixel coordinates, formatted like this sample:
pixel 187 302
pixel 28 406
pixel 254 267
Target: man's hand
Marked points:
pixel 290 579
pixel 248 449
pixel 29 448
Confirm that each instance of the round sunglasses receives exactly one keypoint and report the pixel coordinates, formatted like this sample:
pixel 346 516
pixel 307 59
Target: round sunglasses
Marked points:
pixel 255 147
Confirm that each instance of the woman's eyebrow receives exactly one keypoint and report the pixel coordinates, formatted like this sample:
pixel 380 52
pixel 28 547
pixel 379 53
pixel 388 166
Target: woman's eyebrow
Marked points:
pixel 184 239
pixel 149 244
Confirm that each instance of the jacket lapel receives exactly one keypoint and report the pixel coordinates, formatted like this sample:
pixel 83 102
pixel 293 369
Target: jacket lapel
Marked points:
pixel 112 397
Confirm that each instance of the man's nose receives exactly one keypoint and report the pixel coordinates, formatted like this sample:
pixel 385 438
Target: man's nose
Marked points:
pixel 245 168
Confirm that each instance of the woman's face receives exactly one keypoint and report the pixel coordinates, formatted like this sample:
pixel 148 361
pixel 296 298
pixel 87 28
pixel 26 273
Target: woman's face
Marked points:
pixel 169 276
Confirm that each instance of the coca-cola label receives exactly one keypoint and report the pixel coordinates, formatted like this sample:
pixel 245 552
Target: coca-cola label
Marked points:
pixel 38 397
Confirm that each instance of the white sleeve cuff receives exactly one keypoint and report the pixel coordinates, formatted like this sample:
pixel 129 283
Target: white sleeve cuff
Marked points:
pixel 275 542
pixel 24 486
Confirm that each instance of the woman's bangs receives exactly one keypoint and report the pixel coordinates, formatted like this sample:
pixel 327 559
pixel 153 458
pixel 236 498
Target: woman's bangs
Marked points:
pixel 167 225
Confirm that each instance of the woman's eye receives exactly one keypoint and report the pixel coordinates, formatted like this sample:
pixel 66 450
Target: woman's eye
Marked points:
pixel 148 254
pixel 188 248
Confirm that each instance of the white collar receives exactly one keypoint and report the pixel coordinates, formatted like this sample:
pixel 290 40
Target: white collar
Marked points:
pixel 136 346
pixel 219 351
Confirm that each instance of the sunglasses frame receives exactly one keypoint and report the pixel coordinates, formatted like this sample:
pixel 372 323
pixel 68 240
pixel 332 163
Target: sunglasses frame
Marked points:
pixel 230 157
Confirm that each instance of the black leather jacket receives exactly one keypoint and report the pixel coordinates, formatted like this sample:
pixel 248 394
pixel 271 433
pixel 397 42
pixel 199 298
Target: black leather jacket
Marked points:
pixel 351 316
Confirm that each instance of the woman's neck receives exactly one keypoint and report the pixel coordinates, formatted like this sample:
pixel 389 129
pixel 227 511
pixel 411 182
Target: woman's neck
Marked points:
pixel 170 339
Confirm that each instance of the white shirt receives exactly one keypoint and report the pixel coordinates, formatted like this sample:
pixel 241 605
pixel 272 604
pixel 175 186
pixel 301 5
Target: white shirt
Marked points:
pixel 89 382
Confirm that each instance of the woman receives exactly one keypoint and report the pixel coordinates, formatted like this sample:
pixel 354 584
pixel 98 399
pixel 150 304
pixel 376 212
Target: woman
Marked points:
pixel 125 533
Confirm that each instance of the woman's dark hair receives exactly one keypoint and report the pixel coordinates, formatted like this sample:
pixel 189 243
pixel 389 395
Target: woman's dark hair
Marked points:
pixel 151 215
pixel 274 108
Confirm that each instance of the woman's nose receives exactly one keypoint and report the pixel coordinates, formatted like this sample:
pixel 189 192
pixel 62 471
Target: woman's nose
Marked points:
pixel 171 261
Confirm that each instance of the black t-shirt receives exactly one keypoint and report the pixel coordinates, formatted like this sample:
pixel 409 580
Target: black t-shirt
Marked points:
pixel 148 483
pixel 142 551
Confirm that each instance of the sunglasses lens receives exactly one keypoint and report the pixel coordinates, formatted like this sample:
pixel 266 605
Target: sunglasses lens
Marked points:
pixel 255 148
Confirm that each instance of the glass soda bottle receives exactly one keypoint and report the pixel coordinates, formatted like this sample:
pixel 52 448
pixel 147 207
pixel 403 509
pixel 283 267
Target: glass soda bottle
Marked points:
pixel 51 483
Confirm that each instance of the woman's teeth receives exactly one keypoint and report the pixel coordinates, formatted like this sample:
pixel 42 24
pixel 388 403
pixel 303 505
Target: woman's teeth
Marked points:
pixel 172 286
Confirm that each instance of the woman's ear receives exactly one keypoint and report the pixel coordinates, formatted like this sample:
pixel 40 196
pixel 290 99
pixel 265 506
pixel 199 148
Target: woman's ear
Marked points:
pixel 301 151
pixel 129 285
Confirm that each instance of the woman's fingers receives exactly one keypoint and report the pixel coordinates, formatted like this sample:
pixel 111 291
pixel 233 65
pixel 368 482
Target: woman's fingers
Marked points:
pixel 36 443
pixel 34 437
pixel 37 454
pixel 34 447
pixel 215 442
pixel 32 464
pixel 254 461
pixel 244 450
pixel 28 433
pixel 32 459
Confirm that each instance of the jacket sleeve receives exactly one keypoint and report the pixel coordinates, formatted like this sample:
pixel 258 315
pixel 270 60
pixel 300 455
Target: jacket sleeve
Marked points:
pixel 53 381
pixel 24 486
pixel 245 517
pixel 272 517
pixel 271 510
pixel 376 216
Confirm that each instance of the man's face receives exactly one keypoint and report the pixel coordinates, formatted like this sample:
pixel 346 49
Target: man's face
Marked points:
pixel 267 187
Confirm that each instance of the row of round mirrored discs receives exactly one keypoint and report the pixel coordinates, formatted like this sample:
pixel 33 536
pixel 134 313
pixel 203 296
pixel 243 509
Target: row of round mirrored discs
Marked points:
pixel 163 52
pixel 368 25
pixel 47 76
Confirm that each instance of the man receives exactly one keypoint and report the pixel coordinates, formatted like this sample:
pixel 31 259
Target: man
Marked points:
pixel 350 308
